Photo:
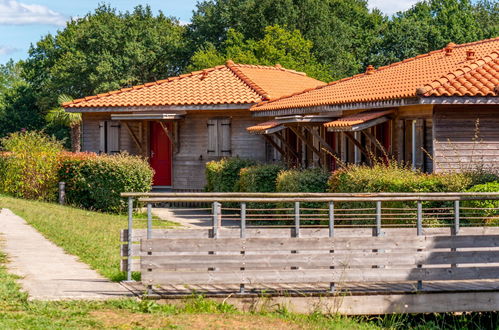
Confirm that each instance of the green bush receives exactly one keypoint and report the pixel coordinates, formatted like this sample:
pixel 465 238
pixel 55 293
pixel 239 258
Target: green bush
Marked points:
pixel 30 165
pixel 223 175
pixel 309 180
pixel 394 178
pixel 490 215
pixel 95 182
pixel 259 178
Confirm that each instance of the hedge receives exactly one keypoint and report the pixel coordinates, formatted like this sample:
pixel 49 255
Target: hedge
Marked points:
pixel 308 180
pixel 223 175
pixel 259 178
pixel 490 216
pixel 95 182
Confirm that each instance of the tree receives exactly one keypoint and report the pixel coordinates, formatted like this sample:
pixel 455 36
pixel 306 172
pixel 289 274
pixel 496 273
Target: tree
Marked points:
pixel 432 24
pixel 59 116
pixel 105 50
pixel 278 46
pixel 10 76
pixel 343 32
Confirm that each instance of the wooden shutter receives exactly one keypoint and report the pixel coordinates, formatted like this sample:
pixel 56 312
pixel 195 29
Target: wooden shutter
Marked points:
pixel 212 137
pixel 113 137
pixel 224 137
pixel 102 137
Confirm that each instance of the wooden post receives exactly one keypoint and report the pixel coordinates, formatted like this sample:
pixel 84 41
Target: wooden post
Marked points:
pixel 62 193
pixel 130 227
pixel 243 235
pixel 420 233
pixel 332 286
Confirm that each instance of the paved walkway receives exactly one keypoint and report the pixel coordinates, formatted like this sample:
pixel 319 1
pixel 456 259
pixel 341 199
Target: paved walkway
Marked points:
pixel 190 217
pixel 47 272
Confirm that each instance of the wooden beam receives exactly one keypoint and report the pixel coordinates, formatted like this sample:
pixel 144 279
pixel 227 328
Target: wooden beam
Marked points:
pixel 134 137
pixel 169 134
pixel 323 142
pixel 304 139
pixel 374 140
pixel 275 145
pixel 358 145
pixel 289 147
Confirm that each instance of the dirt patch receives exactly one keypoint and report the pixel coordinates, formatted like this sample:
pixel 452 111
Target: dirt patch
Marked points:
pixel 127 320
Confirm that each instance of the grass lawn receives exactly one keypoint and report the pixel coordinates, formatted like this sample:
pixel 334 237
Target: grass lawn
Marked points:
pixel 92 236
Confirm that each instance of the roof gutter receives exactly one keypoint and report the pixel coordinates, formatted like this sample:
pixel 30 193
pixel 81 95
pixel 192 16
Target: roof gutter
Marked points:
pixel 178 108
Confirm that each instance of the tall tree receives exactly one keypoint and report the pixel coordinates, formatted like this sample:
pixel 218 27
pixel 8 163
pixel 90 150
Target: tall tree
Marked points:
pixel 278 46
pixel 105 50
pixel 343 32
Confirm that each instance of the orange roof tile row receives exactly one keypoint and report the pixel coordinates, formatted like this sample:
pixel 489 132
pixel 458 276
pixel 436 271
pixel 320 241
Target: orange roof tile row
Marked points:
pixel 358 118
pixel 224 84
pixel 263 126
pixel 403 79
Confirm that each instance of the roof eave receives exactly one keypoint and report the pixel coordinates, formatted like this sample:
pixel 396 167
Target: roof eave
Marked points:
pixel 197 107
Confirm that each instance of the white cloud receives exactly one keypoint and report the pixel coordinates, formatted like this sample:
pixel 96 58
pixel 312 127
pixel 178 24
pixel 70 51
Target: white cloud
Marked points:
pixel 390 7
pixel 7 50
pixel 17 13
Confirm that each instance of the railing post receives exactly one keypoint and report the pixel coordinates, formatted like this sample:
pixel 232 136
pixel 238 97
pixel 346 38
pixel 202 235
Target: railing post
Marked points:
pixel 419 220
pixel 332 285
pixel 217 219
pixel 130 228
pixel 243 235
pixel 378 218
pixel 62 193
pixel 456 217
pixel 149 220
pixel 297 219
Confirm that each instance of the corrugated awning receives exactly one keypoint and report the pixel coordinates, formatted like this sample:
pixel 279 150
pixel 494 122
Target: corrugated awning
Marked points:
pixel 267 127
pixel 359 121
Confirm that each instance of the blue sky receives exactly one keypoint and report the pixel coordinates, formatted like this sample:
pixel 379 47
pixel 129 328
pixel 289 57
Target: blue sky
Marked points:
pixel 23 22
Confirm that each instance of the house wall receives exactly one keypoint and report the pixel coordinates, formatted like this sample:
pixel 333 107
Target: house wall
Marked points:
pixel 466 137
pixel 190 160
pixel 189 163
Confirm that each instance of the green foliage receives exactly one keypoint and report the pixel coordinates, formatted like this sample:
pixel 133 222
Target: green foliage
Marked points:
pixel 278 45
pixel 259 178
pixel 105 50
pixel 394 178
pixel 490 215
pixel 222 175
pixel 308 180
pixel 95 182
pixel 31 165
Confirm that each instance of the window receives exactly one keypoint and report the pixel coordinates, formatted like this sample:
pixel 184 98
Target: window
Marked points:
pixel 219 138
pixel 109 137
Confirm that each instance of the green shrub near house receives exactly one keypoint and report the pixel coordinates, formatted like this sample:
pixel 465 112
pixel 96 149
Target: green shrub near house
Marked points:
pixel 95 182
pixel 29 165
pixel 259 178
pixel 306 180
pixel 223 175
pixel 482 211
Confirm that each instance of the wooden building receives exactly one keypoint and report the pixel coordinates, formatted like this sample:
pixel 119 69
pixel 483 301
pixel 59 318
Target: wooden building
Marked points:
pixel 181 123
pixel 437 112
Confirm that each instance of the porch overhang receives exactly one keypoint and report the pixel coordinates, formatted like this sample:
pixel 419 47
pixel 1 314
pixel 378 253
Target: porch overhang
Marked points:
pixel 147 116
pixel 268 127
pixel 359 121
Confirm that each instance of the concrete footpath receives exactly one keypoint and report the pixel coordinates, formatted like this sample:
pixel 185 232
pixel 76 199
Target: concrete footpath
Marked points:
pixel 46 271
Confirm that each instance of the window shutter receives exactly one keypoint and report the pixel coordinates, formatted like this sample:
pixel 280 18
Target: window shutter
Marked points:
pixel 224 137
pixel 212 137
pixel 102 137
pixel 113 137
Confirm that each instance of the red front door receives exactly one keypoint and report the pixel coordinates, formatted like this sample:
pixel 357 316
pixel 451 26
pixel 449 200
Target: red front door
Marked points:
pixel 161 155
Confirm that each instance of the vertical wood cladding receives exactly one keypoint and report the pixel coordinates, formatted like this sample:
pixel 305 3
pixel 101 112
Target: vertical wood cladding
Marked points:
pixel 466 137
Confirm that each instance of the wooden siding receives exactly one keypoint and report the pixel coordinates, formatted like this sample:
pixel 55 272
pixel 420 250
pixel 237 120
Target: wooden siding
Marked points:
pixel 466 137
pixel 91 134
pixel 189 163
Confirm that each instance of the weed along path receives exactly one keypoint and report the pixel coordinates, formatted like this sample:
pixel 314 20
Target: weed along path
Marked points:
pixel 46 271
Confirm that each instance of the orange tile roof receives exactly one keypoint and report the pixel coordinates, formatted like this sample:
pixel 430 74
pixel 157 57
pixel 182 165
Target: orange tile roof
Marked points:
pixel 263 126
pixel 402 79
pixel 358 118
pixel 224 84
